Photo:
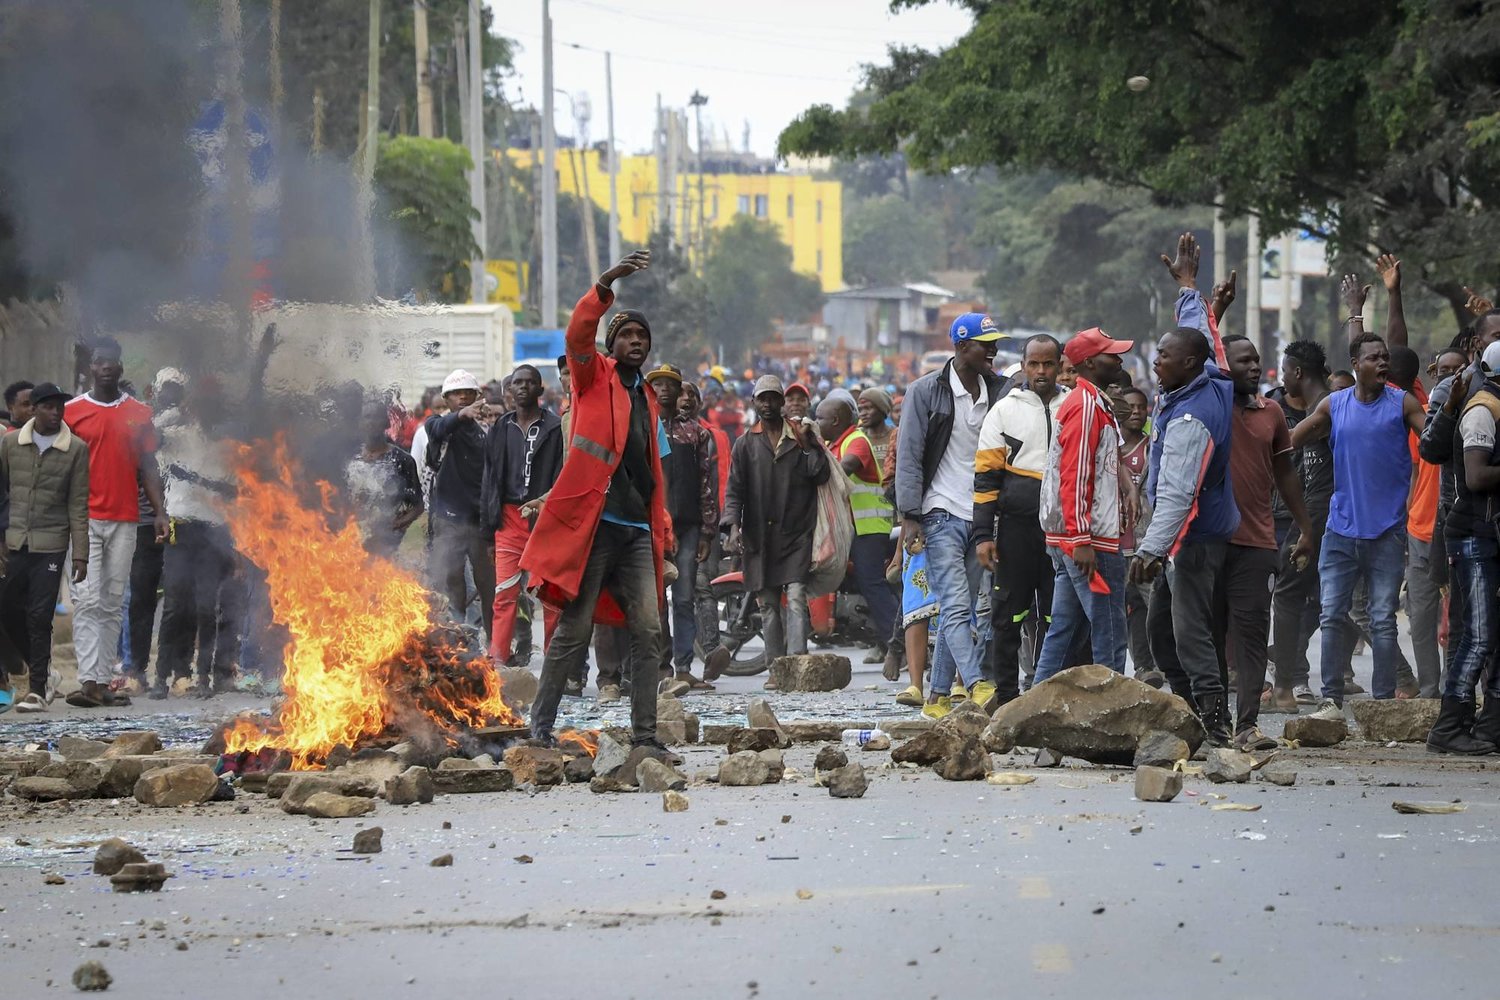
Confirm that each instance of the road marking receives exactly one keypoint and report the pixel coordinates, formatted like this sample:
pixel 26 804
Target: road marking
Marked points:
pixel 1051 958
pixel 1034 887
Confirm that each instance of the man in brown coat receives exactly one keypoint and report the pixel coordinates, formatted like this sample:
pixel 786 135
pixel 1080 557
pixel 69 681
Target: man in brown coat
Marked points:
pixel 771 506
pixel 45 470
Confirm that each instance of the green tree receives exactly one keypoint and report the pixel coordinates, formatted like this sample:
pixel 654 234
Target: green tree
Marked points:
pixel 749 283
pixel 674 299
pixel 423 191
pixel 1375 120
pixel 889 240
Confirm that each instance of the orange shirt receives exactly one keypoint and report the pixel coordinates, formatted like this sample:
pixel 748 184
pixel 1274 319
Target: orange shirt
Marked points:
pixel 1421 511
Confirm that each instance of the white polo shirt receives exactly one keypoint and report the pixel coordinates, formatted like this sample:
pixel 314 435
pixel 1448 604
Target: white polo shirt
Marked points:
pixel 952 487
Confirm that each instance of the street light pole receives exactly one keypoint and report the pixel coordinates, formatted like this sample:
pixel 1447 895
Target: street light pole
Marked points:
pixel 549 179
pixel 697 101
pixel 614 166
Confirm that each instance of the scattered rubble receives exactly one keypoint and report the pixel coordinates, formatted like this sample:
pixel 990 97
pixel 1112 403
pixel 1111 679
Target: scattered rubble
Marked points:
pixel 441 861
pixel 412 786
pixel 880 741
pixel 474 781
pixel 830 759
pixel 653 775
pixel 1280 773
pixel 134 743
pixel 1399 720
pixel 1314 731
pixel 139 877
pixel 1092 713
pixel 1047 757
pixel 1161 750
pixel 368 840
pixel 812 672
pixel 744 768
pixel 182 785
pixel 760 716
pixel 848 782
pixel 673 801
pixel 535 765
pixel 971 762
pixel 578 769
pixel 926 748
pixel 755 739
pixel 91 977
pixel 1223 765
pixel 1157 784
pixel 331 805
pixel 113 855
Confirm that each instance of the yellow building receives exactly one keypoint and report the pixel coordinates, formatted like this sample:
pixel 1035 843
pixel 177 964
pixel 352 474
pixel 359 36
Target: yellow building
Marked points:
pixel 808 211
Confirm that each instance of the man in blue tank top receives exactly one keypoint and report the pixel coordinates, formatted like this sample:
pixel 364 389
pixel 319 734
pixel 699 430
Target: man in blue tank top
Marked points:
pixel 1367 426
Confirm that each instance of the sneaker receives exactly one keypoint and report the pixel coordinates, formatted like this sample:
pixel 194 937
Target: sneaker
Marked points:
pixel 31 703
pixel 714 663
pixel 938 709
pixel 54 684
pixel 1253 739
pixel 1155 678
pixel 1329 709
pixel 911 697
pixel 609 694
pixel 958 692
pixel 1304 695
pixel 984 694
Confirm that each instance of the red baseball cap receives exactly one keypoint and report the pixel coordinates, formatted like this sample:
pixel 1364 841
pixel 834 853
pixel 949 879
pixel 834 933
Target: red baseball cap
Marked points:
pixel 798 387
pixel 1087 343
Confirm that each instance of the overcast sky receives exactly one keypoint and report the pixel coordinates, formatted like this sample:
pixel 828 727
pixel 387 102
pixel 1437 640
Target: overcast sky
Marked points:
pixel 760 62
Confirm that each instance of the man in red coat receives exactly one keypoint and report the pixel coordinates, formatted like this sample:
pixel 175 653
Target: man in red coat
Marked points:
pixel 599 541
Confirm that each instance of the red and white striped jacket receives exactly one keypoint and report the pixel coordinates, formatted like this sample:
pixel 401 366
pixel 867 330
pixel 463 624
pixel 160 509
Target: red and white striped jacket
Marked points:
pixel 1080 502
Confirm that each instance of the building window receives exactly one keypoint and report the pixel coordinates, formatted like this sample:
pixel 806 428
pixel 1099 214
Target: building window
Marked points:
pixel 744 207
pixel 762 206
pixel 788 206
pixel 818 210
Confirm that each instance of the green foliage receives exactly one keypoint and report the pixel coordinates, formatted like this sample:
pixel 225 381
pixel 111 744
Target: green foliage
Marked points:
pixel 1376 119
pixel 888 240
pixel 674 299
pixel 749 283
pixel 423 190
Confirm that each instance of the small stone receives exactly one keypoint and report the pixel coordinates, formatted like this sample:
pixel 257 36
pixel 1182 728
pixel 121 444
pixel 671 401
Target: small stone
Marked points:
pixel 754 739
pixel 1161 749
pixel 880 741
pixel 760 716
pixel 673 801
pixel 1225 765
pixel 812 672
pixel 410 787
pixel 182 785
pixel 609 755
pixel 91 977
pixel 367 841
pixel 926 748
pixel 535 765
pixel 830 759
pixel 743 769
pixel 971 762
pixel 52 878
pixel 134 743
pixel 1157 784
pixel 328 805
pixel 1278 773
pixel 967 719
pixel 442 861
pixel 1047 757
pixel 115 854
pixel 524 859
pixel 653 775
pixel 578 769
pixel 608 783
pixel 847 782
pixel 718 894
pixel 1312 731
pixel 181 946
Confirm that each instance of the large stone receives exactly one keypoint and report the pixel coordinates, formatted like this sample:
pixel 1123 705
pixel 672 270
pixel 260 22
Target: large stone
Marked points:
pixel 691 727
pixel 305 784
pixel 1401 720
pixel 1161 750
pixel 84 775
pixel 578 769
pixel 812 672
pixel 967 719
pixel 761 716
pixel 24 764
pixel 744 768
pixel 1226 765
pixel 328 805
pixel 754 739
pixel 457 764
pixel 775 765
pixel 179 785
pixel 518 687
pixel 1315 731
pixel 1157 784
pixel 39 789
pixel 474 782
pixel 830 759
pixel 342 781
pixel 134 743
pixel 535 765
pixel 1092 713
pixel 115 854
pixel 376 769
pixel 847 782
pixel 671 721
pixel 610 754
pixel 670 708
pixel 77 748
pixel 119 774
pixel 926 748
pixel 971 762
pixel 653 775
pixel 410 787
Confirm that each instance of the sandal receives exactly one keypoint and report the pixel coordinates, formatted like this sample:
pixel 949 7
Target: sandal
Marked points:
pixel 695 683
pixel 78 699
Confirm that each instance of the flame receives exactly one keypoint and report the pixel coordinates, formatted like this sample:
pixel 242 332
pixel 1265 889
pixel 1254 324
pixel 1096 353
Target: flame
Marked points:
pixel 363 651
pixel 585 740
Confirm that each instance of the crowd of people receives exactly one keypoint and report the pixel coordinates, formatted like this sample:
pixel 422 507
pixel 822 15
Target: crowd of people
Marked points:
pixel 1004 525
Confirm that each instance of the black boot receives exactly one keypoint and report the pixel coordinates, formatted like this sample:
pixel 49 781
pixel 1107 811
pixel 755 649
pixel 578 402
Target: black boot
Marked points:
pixel 1448 734
pixel 1215 716
pixel 1486 728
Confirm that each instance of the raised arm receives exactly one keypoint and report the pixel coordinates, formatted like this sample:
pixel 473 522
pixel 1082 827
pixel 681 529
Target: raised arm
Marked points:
pixel 1353 295
pixel 1191 309
pixel 1316 427
pixel 1395 321
pixel 583 327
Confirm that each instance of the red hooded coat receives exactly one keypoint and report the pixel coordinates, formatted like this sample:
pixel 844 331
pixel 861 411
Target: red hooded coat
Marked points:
pixel 560 543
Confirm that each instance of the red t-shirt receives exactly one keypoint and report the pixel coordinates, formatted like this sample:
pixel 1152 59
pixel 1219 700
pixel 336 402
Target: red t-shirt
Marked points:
pixel 1260 433
pixel 117 434
pixel 859 447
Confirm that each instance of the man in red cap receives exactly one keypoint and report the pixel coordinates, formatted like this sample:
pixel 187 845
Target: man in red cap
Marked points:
pixel 1081 511
pixel 798 402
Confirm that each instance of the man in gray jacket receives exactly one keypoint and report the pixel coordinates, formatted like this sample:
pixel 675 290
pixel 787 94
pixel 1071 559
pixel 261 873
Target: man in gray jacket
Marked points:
pixel 45 471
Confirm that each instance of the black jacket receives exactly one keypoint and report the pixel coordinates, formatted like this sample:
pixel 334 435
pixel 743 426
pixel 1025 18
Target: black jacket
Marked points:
pixel 546 463
pixel 926 426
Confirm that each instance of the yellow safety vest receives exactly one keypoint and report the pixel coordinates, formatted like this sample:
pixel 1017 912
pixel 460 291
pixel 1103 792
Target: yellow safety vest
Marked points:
pixel 872 512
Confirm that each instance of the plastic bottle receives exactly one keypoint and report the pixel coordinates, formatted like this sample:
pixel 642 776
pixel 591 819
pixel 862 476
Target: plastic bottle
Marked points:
pixel 859 737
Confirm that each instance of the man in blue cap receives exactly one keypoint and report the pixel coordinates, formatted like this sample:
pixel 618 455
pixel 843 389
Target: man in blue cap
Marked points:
pixel 940 423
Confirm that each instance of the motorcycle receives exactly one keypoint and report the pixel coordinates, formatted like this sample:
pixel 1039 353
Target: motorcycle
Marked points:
pixel 838 619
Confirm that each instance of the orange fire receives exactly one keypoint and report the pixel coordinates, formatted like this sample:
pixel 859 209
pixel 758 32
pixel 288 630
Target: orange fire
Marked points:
pixel 360 656
pixel 583 740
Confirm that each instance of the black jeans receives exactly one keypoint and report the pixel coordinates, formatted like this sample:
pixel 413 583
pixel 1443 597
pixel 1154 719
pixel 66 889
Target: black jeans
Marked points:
pixel 1297 608
pixel 1242 624
pixel 1181 619
pixel 870 555
pixel 203 602
pixel 30 585
pixel 621 564
pixel 1023 588
pixel 145 584
pixel 453 542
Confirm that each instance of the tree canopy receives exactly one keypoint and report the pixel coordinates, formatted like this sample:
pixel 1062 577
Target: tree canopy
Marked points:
pixel 749 282
pixel 424 192
pixel 1372 122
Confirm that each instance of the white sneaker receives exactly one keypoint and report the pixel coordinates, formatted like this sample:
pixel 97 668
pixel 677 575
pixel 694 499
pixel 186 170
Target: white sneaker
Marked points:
pixel 1328 709
pixel 31 703
pixel 54 682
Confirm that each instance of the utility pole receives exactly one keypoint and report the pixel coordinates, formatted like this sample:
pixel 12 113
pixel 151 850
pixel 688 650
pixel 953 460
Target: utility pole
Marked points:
pixel 474 132
pixel 1288 270
pixel 659 149
pixel 697 101
pixel 424 80
pixel 1221 244
pixel 549 178
pixel 614 166
pixel 582 112
pixel 1252 289
pixel 241 253
pixel 369 143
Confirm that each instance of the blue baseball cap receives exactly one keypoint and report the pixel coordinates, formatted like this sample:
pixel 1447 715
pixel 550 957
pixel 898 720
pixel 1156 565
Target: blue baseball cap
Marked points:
pixel 974 326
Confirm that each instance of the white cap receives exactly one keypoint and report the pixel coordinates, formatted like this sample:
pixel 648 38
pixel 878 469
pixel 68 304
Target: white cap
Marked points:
pixel 1490 361
pixel 460 379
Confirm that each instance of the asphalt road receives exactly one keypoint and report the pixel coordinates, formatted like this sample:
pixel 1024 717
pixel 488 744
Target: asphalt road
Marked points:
pixel 1067 887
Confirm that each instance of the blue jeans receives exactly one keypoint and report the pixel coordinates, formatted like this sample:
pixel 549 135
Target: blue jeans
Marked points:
pixel 684 597
pixel 1381 564
pixel 1075 606
pixel 1475 579
pixel 953 571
